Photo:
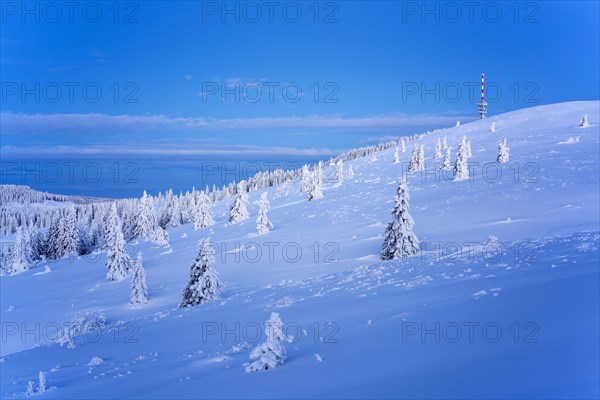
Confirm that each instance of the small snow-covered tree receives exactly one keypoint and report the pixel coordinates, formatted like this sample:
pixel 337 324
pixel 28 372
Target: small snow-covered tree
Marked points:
pixel 396 159
pixel 263 225
pixel 446 164
pixel 118 262
pixel 30 389
pixel 203 215
pixel 350 172
pixel 469 152
pixel 139 290
pixel 461 168
pixel 503 152
pixel 438 149
pixel 41 382
pixel 204 284
pixel 417 159
pixel 457 123
pixel 400 240
pixel 70 237
pixel 160 237
pixel 19 254
pixel 270 354
pixel 339 171
pixel 305 179
pixel 238 211
pixel 147 220
pixel 584 122
pixel 402 145
pixel 493 127
pixel 444 143
pixel 316 184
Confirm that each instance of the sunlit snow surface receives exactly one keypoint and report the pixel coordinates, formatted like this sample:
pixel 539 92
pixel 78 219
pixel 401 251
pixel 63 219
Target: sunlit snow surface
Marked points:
pixel 502 302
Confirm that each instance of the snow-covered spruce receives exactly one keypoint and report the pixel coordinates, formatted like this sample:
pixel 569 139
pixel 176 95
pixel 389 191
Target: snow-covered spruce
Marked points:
pixel 446 164
pixel 339 171
pixel 396 158
pixel 204 284
pixel 461 167
pixel 263 225
pixel 238 211
pixel 444 143
pixel 469 152
pixel 584 122
pixel 438 149
pixel 400 240
pixel 41 382
pixel 270 354
pixel 118 262
pixel 503 152
pixel 316 191
pixel 160 237
pixel 305 179
pixel 350 172
pixel 70 235
pixel 139 290
pixel 417 163
pixel 493 127
pixel 146 221
pixel 18 258
pixel 457 123
pixel 30 389
pixel 402 145
pixel 203 215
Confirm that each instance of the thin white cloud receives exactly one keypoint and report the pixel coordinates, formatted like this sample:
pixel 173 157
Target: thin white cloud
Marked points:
pixel 19 123
pixel 239 150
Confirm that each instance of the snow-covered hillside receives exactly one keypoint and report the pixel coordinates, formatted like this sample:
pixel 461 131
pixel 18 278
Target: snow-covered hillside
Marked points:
pixel 502 301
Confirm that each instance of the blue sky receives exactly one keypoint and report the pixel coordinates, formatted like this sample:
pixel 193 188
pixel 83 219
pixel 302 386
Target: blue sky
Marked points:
pixel 162 68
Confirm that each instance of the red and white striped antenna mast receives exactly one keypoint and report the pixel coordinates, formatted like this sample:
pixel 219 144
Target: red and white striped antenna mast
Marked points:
pixel 482 104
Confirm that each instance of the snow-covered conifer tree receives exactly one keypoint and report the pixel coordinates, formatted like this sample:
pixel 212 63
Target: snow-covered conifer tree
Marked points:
pixel 175 212
pixel 270 354
pixel 70 236
pixel 118 262
pixel 19 254
pixel 457 123
pixel 503 152
pixel 402 145
pixel 396 159
pixel 584 122
pixel 414 164
pixel 339 171
pixel 469 152
pixel 263 225
pixel 493 127
pixel 305 179
pixel 238 211
pixel 316 185
pixel 204 284
pixel 139 290
pixel 30 389
pixel 400 240
pixel 350 172
pixel 438 149
pixel 444 143
pixel 41 382
pixel 203 215
pixel 160 237
pixel 446 164
pixel 461 168
pixel 147 220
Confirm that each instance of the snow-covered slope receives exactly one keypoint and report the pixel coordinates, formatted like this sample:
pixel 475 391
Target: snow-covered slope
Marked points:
pixel 503 301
